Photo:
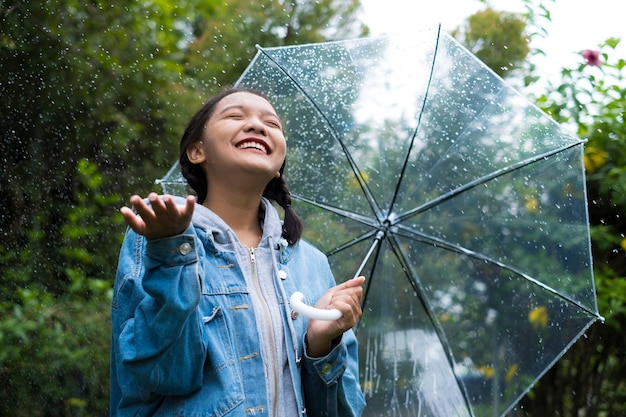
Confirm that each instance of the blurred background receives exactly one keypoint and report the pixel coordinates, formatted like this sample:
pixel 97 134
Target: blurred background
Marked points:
pixel 94 97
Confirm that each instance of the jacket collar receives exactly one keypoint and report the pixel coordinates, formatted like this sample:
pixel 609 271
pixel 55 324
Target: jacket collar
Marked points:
pixel 219 233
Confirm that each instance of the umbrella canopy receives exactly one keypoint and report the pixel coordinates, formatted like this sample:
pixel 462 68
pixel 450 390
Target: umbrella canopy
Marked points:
pixel 462 203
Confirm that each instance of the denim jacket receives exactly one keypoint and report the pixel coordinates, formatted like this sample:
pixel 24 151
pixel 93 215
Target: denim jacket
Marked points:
pixel 186 339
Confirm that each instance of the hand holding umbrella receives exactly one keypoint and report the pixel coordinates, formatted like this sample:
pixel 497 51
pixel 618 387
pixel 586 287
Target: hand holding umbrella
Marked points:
pixel 301 308
pixel 346 298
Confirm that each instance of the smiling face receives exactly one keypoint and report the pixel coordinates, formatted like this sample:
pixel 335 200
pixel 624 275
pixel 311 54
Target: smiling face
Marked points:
pixel 243 136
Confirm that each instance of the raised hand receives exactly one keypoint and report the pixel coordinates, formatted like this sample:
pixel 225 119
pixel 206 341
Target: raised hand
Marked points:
pixel 162 218
pixel 344 297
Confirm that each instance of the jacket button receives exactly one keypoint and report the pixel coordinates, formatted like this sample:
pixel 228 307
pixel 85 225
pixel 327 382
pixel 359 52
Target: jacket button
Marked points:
pixel 326 369
pixel 282 274
pixel 294 314
pixel 185 248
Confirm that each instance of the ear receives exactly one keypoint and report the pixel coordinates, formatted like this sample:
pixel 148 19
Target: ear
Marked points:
pixel 195 153
pixel 277 175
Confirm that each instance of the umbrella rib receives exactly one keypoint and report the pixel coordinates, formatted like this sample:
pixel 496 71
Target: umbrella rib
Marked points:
pixel 368 194
pixel 369 221
pixel 420 292
pixel 417 127
pixel 169 173
pixel 482 180
pixel 550 365
pixel 411 234
pixel 353 242
pixel 375 245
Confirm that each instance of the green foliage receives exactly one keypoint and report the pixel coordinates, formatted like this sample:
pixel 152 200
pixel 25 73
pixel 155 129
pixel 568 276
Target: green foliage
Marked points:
pixel 497 39
pixel 54 354
pixel 78 81
pixel 491 33
pixel 591 100
pixel 95 96
pixel 54 359
pixel 226 36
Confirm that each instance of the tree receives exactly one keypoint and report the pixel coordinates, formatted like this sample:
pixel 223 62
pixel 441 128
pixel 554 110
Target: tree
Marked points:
pixel 82 87
pixel 496 38
pixel 94 100
pixel 79 81
pixel 224 39
pixel 591 99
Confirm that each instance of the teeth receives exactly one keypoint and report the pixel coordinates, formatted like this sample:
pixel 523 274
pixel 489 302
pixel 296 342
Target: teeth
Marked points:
pixel 253 145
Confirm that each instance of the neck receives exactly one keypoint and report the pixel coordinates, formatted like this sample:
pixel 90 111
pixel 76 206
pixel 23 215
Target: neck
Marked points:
pixel 240 212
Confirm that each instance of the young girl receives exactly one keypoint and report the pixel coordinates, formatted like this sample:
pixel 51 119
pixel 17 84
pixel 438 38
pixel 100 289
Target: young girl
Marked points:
pixel 202 324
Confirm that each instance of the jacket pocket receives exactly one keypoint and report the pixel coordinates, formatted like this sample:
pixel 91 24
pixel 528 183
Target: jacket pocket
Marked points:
pixel 222 388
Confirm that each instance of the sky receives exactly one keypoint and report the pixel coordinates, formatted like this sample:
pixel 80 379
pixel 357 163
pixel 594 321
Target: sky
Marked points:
pixel 575 24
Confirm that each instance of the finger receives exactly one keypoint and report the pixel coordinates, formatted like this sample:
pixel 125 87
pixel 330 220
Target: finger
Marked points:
pixel 181 214
pixel 354 282
pixel 133 220
pixel 190 202
pixel 348 295
pixel 351 289
pixel 129 215
pixel 351 299
pixel 337 291
pixel 350 313
pixel 157 204
pixel 170 207
pixel 141 207
pixel 189 207
pixel 135 199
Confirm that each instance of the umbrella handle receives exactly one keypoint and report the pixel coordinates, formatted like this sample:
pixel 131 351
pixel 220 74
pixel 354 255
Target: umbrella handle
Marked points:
pixel 312 312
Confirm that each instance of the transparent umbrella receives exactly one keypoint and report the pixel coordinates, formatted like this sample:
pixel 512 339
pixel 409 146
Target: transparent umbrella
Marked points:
pixel 465 206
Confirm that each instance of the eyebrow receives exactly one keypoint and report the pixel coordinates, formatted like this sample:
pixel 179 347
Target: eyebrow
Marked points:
pixel 241 107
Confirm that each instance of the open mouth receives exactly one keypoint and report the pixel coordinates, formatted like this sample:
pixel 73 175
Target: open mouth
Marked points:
pixel 251 144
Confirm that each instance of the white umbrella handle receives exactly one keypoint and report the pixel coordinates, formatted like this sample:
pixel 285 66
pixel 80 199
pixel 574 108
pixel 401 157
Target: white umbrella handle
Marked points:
pixel 312 312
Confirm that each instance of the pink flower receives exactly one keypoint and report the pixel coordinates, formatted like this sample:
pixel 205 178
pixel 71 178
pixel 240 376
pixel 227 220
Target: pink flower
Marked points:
pixel 592 57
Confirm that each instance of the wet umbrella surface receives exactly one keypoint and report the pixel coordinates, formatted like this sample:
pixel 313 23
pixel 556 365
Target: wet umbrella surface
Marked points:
pixel 463 204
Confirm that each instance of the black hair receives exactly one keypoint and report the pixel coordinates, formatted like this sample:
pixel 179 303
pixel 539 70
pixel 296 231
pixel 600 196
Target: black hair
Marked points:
pixel 276 190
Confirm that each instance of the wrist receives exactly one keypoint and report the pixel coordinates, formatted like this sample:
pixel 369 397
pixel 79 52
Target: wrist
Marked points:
pixel 318 347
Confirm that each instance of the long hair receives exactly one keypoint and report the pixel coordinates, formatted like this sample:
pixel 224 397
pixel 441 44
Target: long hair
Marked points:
pixel 276 190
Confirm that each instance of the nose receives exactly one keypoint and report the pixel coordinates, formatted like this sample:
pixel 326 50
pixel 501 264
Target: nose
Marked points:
pixel 254 124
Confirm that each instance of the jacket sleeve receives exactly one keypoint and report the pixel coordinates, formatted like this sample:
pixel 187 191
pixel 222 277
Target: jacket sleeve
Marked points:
pixel 157 335
pixel 331 385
